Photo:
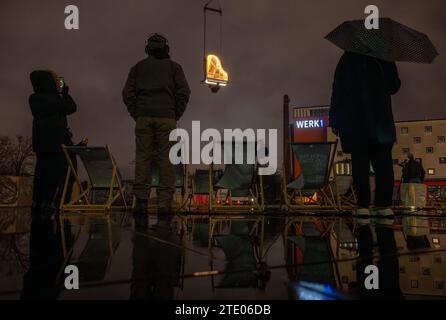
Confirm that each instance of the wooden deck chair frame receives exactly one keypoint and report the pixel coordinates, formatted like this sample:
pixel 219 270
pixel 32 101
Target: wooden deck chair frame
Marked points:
pixel 182 205
pixel 327 202
pixel 84 194
pixel 346 201
pixel 255 192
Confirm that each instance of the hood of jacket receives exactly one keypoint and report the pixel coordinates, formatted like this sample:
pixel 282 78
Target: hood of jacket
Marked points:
pixel 43 81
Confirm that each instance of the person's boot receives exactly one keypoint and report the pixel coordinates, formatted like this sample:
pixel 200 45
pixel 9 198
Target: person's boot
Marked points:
pixel 383 216
pixel 362 216
pixel 140 213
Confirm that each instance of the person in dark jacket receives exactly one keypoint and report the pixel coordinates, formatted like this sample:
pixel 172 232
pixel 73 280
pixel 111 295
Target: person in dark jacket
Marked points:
pixel 50 104
pixel 361 115
pixel 413 171
pixel 156 94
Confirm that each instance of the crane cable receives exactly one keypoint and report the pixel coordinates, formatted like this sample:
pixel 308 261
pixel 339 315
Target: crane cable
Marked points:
pixel 218 10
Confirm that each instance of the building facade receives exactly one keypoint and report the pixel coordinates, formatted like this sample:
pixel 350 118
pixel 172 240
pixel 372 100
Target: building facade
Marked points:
pixel 425 139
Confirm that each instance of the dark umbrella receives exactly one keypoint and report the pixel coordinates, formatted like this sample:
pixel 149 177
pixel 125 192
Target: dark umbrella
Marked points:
pixel 391 42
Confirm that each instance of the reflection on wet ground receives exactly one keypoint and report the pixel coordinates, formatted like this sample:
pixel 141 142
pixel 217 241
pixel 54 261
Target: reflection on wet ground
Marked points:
pixel 222 257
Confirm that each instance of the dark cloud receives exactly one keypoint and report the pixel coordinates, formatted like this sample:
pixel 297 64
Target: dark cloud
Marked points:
pixel 270 48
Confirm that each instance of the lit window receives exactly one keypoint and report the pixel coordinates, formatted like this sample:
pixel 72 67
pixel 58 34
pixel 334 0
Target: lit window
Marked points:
pixel 417 140
pixel 442 160
pixel 428 129
pixel 404 130
pixel 436 240
pixel 441 139
pixel 348 169
pixel 405 150
pixel 431 172
pixel 439 284
pixel 429 150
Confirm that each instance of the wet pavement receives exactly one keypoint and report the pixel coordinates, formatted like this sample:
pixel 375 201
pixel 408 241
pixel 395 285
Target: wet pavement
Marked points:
pixel 257 257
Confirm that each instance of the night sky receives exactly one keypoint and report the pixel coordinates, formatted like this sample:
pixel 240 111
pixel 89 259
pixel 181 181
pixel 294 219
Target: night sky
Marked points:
pixel 269 48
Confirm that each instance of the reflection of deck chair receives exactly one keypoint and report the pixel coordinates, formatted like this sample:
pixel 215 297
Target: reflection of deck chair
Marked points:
pixel 181 185
pixel 95 256
pixel 104 177
pixel 95 259
pixel 241 240
pixel 306 244
pixel 312 187
pixel 239 181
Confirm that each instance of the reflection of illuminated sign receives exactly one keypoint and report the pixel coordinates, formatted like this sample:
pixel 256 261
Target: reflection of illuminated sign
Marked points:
pixel 215 75
pixel 310 124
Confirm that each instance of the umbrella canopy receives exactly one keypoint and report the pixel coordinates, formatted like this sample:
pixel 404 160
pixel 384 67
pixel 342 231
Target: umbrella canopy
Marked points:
pixel 391 42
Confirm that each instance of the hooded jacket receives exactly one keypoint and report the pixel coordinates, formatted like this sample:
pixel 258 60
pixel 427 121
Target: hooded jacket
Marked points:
pixel 156 88
pixel 49 109
pixel 361 106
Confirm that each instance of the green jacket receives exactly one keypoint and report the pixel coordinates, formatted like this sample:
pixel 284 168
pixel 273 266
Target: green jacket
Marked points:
pixel 156 88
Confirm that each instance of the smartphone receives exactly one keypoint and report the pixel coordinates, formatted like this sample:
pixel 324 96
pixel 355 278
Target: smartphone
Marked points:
pixel 61 83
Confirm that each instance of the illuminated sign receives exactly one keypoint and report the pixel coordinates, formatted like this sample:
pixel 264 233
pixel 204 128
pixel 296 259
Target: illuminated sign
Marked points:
pixel 310 124
pixel 215 74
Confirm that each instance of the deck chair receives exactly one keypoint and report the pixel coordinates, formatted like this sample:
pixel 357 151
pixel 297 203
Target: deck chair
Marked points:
pixel 311 188
pixel 181 186
pixel 199 197
pixel 344 192
pixel 239 181
pixel 104 187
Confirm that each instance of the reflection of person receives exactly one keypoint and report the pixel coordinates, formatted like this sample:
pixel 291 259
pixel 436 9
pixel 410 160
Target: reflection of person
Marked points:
pixel 156 95
pixel 413 171
pixel 416 231
pixel 50 104
pixel 361 114
pixel 388 265
pixel 156 265
pixel 46 260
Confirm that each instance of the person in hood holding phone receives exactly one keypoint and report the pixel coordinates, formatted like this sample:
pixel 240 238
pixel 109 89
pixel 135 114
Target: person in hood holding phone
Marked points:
pixel 50 105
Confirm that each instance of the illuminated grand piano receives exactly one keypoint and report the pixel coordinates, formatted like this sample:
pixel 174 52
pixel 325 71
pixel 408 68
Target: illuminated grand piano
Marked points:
pixel 215 74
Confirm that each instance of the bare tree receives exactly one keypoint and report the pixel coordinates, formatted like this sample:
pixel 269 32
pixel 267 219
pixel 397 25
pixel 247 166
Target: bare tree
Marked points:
pixel 16 155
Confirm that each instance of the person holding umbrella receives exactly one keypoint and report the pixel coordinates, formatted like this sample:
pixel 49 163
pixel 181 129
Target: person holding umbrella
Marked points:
pixel 361 108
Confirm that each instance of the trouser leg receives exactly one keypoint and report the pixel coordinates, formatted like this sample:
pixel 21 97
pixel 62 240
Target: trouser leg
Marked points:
pixel 384 179
pixel 38 181
pixel 60 166
pixel 167 170
pixel 365 251
pixel 144 139
pixel 361 174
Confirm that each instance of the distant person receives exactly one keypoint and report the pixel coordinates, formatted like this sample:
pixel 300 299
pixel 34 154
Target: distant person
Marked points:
pixel 413 171
pixel 50 104
pixel 361 115
pixel 156 95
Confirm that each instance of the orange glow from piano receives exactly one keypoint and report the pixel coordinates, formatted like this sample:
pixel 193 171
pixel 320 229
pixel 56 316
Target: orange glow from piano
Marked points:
pixel 215 75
